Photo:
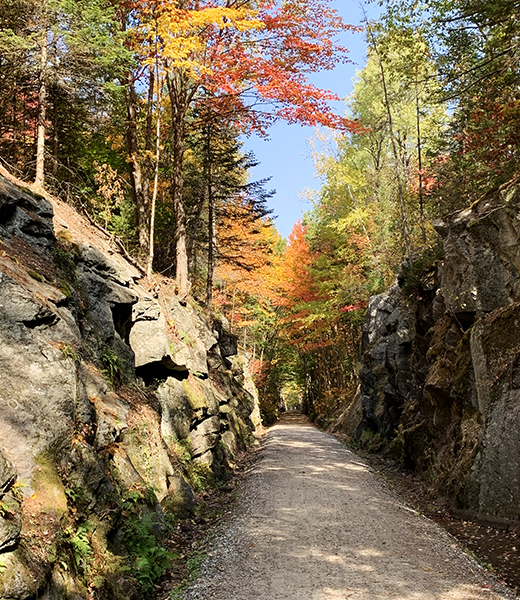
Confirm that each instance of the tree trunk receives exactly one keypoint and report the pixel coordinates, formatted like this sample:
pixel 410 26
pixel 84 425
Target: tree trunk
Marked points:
pixel 139 195
pixel 179 108
pixel 211 251
pixel 419 159
pixel 14 121
pixel 42 99
pixel 147 163
pixel 55 140
pixel 211 223
pixel 404 218
pixel 386 101
pixel 156 177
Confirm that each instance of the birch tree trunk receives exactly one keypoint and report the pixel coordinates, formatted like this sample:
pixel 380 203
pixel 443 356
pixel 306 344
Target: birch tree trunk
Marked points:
pixel 42 99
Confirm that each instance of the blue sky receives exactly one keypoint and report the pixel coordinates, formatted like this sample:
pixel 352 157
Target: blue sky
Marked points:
pixel 285 157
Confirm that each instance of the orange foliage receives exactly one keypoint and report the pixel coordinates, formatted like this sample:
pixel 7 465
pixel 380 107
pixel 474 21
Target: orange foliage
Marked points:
pixel 295 283
pixel 247 264
pixel 247 54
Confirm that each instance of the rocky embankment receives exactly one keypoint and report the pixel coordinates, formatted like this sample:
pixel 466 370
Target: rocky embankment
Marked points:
pixel 117 403
pixel 440 382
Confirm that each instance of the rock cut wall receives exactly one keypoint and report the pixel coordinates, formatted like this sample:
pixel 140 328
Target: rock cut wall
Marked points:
pixel 116 404
pixel 440 383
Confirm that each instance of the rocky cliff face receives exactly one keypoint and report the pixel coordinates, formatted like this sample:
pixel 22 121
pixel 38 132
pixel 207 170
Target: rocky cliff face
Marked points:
pixel 440 384
pixel 116 404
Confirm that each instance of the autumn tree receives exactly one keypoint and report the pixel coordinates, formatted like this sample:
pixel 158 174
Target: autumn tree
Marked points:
pixel 351 243
pixel 474 45
pixel 317 332
pixel 63 56
pixel 249 61
pixel 217 191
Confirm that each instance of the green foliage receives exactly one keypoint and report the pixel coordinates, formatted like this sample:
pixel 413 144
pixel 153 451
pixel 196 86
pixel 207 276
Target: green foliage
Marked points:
pixel 35 275
pixel 64 255
pixel 78 541
pixel 7 508
pixel 149 560
pixel 371 441
pixel 71 353
pixel 85 48
pixel 412 277
pixel 135 496
pixel 193 565
pixel 182 449
pixel 112 366
pixel 474 48
pixel 17 489
pixel 199 475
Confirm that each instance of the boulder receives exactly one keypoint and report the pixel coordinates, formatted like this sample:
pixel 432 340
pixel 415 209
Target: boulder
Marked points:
pixel 440 382
pixel 111 267
pixel 156 352
pixel 495 354
pixel 39 392
pixel 180 499
pixel 10 521
pixel 193 333
pixel 147 451
pixel 110 304
pixel 177 411
pixel 7 473
pixel 204 436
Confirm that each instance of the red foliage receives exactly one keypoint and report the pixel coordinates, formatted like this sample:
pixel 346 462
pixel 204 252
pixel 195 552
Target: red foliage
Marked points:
pixel 260 74
pixel 359 305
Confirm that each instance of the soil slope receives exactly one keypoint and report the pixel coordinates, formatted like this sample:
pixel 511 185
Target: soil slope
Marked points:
pixel 316 523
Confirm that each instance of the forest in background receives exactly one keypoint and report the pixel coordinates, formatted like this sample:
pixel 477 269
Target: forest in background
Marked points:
pixel 134 111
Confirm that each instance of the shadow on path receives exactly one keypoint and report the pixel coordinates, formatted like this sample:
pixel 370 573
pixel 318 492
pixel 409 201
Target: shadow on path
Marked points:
pixel 316 523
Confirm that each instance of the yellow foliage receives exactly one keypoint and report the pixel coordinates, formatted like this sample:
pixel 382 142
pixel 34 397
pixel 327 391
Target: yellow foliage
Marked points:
pixel 181 35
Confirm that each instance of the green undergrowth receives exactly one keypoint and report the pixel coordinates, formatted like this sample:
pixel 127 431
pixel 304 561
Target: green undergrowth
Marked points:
pixel 193 565
pixel 149 560
pixel 198 475
pixel 78 540
pixel 412 277
pixel 112 368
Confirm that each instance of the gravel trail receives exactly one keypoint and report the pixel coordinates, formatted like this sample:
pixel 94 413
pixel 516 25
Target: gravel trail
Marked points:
pixel 315 523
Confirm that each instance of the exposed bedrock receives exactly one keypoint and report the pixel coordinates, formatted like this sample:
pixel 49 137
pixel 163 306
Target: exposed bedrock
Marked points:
pixel 440 382
pixel 117 403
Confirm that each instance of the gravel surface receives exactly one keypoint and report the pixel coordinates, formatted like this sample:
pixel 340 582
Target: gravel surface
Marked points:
pixel 315 523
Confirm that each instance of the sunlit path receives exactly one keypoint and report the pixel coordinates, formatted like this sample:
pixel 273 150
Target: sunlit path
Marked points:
pixel 315 523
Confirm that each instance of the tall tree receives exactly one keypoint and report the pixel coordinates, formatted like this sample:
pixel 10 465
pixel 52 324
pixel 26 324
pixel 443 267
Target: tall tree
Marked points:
pixel 476 48
pixel 65 53
pixel 249 60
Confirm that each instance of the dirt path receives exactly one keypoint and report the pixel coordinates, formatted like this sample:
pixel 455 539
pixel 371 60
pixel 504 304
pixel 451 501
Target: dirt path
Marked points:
pixel 314 523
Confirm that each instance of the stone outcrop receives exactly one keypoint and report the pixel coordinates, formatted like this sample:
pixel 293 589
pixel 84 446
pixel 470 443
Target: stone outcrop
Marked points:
pixel 440 383
pixel 117 404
